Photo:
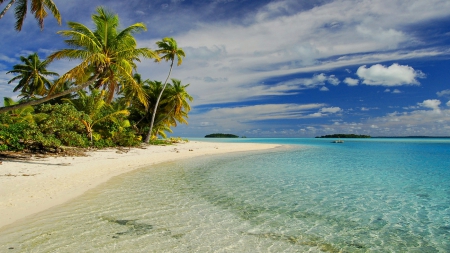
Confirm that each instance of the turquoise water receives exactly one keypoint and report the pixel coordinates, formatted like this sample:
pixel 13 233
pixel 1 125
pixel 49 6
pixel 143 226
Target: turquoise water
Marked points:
pixel 377 195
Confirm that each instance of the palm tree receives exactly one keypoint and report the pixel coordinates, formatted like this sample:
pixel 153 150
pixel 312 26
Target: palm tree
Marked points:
pixel 176 105
pixel 20 115
pixel 173 106
pixel 38 8
pixel 96 109
pixel 168 48
pixel 32 75
pixel 107 57
pixel 179 98
pixel 129 94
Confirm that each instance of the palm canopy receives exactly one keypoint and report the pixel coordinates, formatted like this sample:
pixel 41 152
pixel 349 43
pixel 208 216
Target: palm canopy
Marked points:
pixel 106 53
pixel 38 8
pixel 173 107
pixel 32 76
pixel 168 49
pixel 179 100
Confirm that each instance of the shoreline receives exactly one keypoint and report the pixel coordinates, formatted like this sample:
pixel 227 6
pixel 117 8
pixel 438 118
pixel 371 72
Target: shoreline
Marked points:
pixel 31 186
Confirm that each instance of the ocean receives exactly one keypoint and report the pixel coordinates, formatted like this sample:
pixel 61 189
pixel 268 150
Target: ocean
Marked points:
pixel 311 195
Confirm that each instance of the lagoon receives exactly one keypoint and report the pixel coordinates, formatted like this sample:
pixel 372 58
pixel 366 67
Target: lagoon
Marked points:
pixel 365 195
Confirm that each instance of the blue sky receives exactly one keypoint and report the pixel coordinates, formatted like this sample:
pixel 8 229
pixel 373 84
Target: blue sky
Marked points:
pixel 287 68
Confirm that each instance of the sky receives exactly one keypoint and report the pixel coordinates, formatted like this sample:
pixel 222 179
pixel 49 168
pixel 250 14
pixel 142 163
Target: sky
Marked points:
pixel 280 68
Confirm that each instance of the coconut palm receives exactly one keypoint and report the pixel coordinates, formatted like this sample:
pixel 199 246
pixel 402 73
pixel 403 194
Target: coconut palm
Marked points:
pixel 153 90
pixel 20 115
pixel 96 109
pixel 173 106
pixel 129 94
pixel 179 100
pixel 32 76
pixel 169 50
pixel 106 51
pixel 107 57
pixel 38 8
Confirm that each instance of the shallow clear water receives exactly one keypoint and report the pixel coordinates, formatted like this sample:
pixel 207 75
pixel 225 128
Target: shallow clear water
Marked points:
pixel 378 195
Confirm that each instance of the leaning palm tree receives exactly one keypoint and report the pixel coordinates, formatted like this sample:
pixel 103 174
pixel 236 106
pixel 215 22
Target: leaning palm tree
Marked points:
pixel 32 76
pixel 107 57
pixel 38 8
pixel 169 50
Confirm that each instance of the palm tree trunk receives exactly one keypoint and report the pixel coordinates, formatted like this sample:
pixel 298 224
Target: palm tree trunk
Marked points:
pixel 149 134
pixel 6 8
pixel 49 97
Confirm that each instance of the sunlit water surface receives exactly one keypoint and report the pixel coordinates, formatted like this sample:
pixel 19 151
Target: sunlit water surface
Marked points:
pixel 378 195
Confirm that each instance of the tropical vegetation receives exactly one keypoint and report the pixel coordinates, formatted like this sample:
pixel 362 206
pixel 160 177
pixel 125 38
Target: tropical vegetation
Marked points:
pixel 169 49
pixel 38 8
pixel 101 102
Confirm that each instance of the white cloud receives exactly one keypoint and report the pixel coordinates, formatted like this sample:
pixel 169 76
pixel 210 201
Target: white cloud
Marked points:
pixel 351 82
pixel 7 59
pixel 332 79
pixel 324 89
pixel 316 115
pixel 444 93
pixel 394 75
pixel 396 91
pixel 330 110
pixel 387 90
pixel 430 103
pixel 448 103
pixel 251 53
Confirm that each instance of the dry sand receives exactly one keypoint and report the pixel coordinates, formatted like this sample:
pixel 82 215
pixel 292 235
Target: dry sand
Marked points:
pixel 31 186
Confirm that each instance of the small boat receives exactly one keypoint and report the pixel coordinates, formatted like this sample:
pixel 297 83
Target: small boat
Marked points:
pixel 338 141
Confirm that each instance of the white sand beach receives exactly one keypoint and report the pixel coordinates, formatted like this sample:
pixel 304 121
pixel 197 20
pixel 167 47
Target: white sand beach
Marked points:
pixel 31 186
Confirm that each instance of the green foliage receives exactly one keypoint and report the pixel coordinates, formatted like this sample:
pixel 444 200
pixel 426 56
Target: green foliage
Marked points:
pixel 38 7
pixel 54 126
pixel 12 137
pixel 32 76
pixel 108 58
pixel 60 126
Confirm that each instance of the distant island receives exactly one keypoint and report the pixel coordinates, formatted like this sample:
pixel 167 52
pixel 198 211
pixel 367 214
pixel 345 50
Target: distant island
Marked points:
pixel 344 136
pixel 220 135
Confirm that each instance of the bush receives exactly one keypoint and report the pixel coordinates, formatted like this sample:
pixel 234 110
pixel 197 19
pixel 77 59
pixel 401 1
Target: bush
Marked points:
pixel 61 126
pixel 12 137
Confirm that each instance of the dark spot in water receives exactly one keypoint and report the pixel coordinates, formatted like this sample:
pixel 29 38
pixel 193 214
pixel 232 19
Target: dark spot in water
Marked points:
pixel 123 222
pixel 177 236
pixel 356 245
pixel 423 195
pixel 134 228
